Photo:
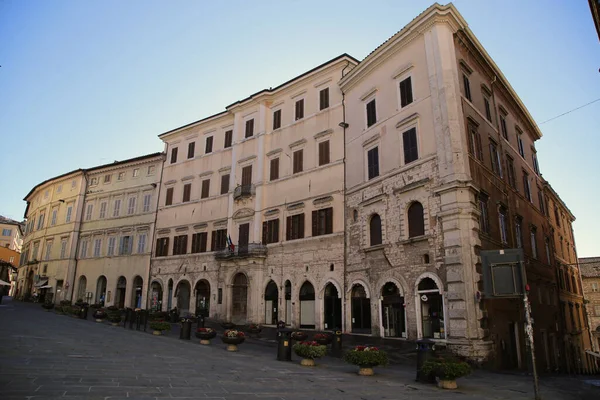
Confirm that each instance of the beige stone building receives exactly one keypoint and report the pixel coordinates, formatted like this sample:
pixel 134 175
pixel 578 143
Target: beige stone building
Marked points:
pixel 590 275
pixel 268 173
pixel 11 234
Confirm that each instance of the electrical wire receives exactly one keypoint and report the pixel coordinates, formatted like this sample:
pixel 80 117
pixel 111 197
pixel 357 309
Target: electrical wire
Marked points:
pixel 570 111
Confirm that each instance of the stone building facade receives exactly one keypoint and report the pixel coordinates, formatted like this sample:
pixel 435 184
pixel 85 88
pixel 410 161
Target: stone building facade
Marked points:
pixel 11 234
pixel 590 275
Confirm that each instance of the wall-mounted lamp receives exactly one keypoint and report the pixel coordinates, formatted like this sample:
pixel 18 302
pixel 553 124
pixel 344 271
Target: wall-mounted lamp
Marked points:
pixel 61 200
pixel 153 185
pixel 343 125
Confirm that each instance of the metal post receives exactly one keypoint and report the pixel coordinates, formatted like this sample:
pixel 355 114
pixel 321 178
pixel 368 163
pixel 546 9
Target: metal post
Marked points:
pixel 529 333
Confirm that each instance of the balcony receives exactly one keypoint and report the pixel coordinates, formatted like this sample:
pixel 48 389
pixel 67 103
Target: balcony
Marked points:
pixel 249 250
pixel 243 191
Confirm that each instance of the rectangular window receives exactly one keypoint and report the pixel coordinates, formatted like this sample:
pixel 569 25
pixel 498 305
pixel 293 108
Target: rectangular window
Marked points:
pixel 94 182
pixel 141 243
pixel 117 209
pixel 199 241
pixel 534 243
pixel 371 113
pixel 88 212
pixel 519 232
pixel 6 232
pixel 510 167
pixel 247 175
pixel 205 189
pixel 224 183
pixel 136 172
pixel 228 139
pixel 112 243
pixel 69 212
pixel 40 224
pixel 495 157
pixel 324 99
pixel 411 151
pixel 59 189
pixel 83 249
pixel 162 247
pixel 107 178
pixel 373 162
pixel 103 206
pixel 209 145
pixel 270 233
pixel 131 206
pixel 298 161
pixel 406 95
pixel 322 222
pixel 556 218
pixel 547 245
pixel 536 167
pixel 191 149
pixel 147 200
pixel 53 220
pixel 595 287
pixel 526 187
pixel 187 192
pixel 48 250
pixel 218 240
pixel 541 201
pixel 277 119
pixel 97 247
pixel 121 176
pixel 520 144
pixel 249 128
pixel 126 245
pixel 173 155
pixel 324 152
pixel 63 248
pixel 151 169
pixel 503 126
pixel 467 87
pixel 169 197
pixel 475 142
pixel 503 228
pixel 484 222
pixel 295 227
pixel 488 110
pixel 274 169
pixel 299 109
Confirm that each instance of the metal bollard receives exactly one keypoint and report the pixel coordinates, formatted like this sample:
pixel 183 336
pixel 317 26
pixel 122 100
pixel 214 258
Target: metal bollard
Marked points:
pixel 186 329
pixel 425 352
pixel 336 344
pixel 284 345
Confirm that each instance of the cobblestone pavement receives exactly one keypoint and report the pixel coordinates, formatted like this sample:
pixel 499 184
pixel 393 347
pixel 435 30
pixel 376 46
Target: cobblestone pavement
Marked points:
pixel 49 356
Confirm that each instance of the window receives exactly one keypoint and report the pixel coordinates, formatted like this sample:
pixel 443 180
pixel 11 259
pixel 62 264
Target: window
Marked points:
pixel 299 109
pixel 411 151
pixel 187 192
pixel 141 243
pixel 169 197
pixel 249 128
pixel 228 139
pixel 274 169
pixel 503 126
pixel 173 155
pixel 502 225
pixel 324 152
pixel 541 201
pixel 371 113
pixel 484 222
pixel 63 248
pixel 48 250
pixel 224 183
pixel 136 172
pixel 277 119
pixel 131 206
pixel 97 247
pixel 117 209
pixel 36 247
pixel 270 232
pixel 209 145
pixel 121 176
pixel 375 230
pixel 147 200
pixel 218 239
pixel 488 111
pixel 467 87
pixel 416 220
pixel 547 245
pixel 103 209
pixel 373 162
pixel 295 227
pixel 536 167
pixel 595 288
pixel 526 187
pixel 247 175
pixel 88 212
pixel 406 95
pixel 298 161
pixel 126 245
pixel 322 221
pixel 324 99
pixel 199 242
pixel 112 242
pixel 191 149
pixel 6 232
pixel 107 178
pixel 59 189
pixel 510 168
pixel 556 218
pixel 205 189
pixel 73 184
pixel 83 249
pixel 69 212
pixel 519 232
pixel 151 169
pixel 53 220
pixel 495 157
pixel 40 221
pixel 520 144
pixel 162 247
pixel 534 243
pixel 94 182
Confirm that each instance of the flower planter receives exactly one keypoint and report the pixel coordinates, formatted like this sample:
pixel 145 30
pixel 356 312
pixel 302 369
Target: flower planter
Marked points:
pixel 99 319
pixel 206 336
pixel 323 341
pixel 447 384
pixel 114 323
pixel 157 333
pixel 366 358
pixel 232 342
pixel 309 351
pixel 307 362
pixel 227 325
pixel 366 371
pixel 299 336
pixel 446 370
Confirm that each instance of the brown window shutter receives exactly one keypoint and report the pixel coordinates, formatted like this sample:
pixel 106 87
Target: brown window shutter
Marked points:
pixel 169 199
pixel 315 223
pixel 301 226
pixel 275 231
pixel 264 233
pixel 329 220
pixel 274 169
pixel 187 189
pixel 203 237
pixel 213 240
pixel 205 188
pixel 288 228
pixel 247 175
pixel 224 183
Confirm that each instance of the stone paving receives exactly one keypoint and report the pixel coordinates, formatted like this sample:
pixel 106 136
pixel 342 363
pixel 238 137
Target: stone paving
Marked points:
pixel 49 356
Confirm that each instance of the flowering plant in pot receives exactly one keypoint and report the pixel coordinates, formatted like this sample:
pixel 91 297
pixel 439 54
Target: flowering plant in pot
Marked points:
pixel 323 338
pixel 253 328
pixel 447 371
pixel 205 334
pixel 232 338
pixel 309 351
pixel 227 325
pixel 100 315
pixel 299 336
pixel 366 357
pixel 159 326
pixel 114 317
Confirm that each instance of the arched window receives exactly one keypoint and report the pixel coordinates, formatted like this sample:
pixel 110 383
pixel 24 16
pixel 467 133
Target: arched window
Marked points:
pixel 375 230
pixel 416 223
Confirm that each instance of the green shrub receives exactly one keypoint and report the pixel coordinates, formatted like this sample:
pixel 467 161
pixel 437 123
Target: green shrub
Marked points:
pixel 158 316
pixel 310 350
pixel 160 326
pixel 366 357
pixel 446 369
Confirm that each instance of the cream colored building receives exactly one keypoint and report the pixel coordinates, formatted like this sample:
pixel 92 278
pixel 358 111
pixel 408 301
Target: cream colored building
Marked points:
pixel 116 233
pixel 267 172
pixel 11 234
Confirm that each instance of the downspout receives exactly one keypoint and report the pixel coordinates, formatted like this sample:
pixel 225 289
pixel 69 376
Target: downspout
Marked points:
pixel 153 243
pixel 78 230
pixel 344 125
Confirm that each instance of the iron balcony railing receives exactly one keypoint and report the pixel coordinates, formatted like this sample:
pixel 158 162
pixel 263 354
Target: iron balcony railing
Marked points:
pixel 249 250
pixel 243 191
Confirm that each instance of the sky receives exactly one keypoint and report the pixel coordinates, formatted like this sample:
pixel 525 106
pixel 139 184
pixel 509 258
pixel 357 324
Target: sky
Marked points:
pixel 84 83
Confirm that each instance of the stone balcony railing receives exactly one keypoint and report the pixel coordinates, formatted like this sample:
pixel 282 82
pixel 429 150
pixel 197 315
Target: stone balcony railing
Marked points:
pixel 250 250
pixel 242 191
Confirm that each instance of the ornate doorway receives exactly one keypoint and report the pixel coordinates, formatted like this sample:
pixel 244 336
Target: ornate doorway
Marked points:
pixel 239 299
pixel 271 303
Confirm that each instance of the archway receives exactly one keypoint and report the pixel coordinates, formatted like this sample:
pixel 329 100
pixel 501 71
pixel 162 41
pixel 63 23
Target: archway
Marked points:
pixel 393 317
pixel 271 303
pixel 361 310
pixel 288 303
pixel 431 309
pixel 120 292
pixel 81 288
pixel 156 294
pixel 307 306
pixel 101 290
pixel 182 293
pixel 332 308
pixel 170 295
pixel 28 284
pixel 136 292
pixel 239 299
pixel 203 298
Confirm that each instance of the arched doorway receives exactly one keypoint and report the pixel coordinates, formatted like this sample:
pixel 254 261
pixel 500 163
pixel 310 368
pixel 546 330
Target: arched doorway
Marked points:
pixel 81 288
pixel 431 309
pixel 332 308
pixel 28 284
pixel 170 295
pixel 203 298
pixel 393 317
pixel 239 299
pixel 271 303
pixel 182 292
pixel 288 303
pixel 101 290
pixel 120 292
pixel 136 292
pixel 307 306
pixel 156 294
pixel 361 310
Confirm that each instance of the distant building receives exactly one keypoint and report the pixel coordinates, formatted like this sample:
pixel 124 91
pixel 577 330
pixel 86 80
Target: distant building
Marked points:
pixel 590 275
pixel 595 9
pixel 11 234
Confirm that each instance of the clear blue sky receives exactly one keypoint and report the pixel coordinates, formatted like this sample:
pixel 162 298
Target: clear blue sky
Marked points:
pixel 88 82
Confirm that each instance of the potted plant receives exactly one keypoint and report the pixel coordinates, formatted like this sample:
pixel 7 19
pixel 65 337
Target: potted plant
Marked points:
pixel 227 325
pixel 205 334
pixel 232 338
pixel 309 351
pixel 323 338
pixel 159 326
pixel 253 329
pixel 48 306
pixel 366 357
pixel 299 336
pixel 447 371
pixel 100 315
pixel 114 317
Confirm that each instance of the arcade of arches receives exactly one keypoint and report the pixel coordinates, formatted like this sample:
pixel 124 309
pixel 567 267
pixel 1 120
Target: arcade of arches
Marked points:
pixel 122 292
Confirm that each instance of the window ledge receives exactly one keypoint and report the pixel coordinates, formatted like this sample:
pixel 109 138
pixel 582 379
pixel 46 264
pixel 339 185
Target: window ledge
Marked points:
pixel 374 248
pixel 415 239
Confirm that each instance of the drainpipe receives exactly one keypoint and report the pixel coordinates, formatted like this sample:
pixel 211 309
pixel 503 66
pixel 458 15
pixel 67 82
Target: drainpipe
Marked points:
pixel 78 231
pixel 153 243
pixel 344 125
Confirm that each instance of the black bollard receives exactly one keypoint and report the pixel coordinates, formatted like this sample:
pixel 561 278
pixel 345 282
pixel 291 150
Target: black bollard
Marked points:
pixel 284 345
pixel 425 352
pixel 336 344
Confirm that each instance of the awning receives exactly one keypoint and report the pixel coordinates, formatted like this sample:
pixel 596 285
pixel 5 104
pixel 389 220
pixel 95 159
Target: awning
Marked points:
pixel 45 287
pixel 41 283
pixel 3 283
